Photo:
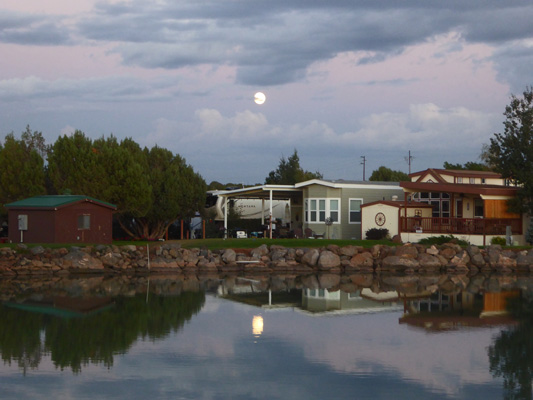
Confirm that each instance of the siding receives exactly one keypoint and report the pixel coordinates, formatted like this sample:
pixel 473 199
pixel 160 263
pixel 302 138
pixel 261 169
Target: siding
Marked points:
pixel 345 230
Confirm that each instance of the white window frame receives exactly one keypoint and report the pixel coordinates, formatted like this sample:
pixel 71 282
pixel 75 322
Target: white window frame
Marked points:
pixel 326 212
pixel 350 210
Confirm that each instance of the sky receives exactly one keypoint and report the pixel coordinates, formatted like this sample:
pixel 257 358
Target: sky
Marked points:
pixel 343 79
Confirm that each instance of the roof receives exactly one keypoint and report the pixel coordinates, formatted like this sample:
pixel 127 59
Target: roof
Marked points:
pixel 482 190
pixel 438 173
pixel 56 201
pixel 341 183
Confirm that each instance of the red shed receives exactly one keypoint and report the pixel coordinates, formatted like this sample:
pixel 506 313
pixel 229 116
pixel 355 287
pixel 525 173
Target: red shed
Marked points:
pixel 60 219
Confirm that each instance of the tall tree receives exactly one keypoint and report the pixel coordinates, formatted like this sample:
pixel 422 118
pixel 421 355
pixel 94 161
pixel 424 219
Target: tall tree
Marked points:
pixel 73 166
pixel 511 152
pixel 150 187
pixel 384 174
pixel 290 172
pixel 177 193
pixel 21 171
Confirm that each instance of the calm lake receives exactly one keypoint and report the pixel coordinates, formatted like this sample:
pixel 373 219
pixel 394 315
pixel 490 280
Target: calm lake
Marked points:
pixel 282 337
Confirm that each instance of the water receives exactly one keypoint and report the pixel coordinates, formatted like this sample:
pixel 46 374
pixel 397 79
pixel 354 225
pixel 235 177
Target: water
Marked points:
pixel 188 338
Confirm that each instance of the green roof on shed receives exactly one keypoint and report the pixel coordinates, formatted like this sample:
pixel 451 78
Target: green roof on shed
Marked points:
pixel 55 201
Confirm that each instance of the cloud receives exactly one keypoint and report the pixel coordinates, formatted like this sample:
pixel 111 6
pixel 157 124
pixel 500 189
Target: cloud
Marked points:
pixel 435 134
pixel 276 44
pixel 105 89
pixel 31 29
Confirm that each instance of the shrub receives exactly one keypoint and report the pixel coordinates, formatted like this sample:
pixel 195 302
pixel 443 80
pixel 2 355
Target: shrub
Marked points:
pixel 377 233
pixel 498 240
pixel 443 239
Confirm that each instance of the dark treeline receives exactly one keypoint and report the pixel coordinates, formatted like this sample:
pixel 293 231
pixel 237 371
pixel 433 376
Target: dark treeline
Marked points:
pixel 151 188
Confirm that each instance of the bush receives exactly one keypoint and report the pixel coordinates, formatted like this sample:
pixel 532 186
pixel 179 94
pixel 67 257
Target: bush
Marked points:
pixel 443 239
pixel 377 233
pixel 498 240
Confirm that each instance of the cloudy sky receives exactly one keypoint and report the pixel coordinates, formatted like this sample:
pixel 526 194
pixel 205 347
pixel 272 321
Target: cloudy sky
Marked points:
pixel 343 79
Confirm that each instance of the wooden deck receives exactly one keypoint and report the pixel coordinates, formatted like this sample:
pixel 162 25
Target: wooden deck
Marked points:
pixel 464 226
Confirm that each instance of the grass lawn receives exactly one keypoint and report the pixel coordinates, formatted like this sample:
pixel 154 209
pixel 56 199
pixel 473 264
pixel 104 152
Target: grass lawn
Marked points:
pixel 217 244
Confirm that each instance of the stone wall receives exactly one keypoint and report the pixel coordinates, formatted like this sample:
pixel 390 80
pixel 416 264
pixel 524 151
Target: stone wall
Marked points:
pixel 170 257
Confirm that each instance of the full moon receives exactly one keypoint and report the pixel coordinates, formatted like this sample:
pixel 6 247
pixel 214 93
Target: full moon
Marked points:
pixel 259 98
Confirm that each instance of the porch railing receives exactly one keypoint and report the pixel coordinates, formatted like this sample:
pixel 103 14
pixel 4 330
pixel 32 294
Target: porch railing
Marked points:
pixel 465 226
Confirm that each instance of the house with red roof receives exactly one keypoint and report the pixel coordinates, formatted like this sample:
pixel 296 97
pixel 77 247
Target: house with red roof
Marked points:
pixel 471 205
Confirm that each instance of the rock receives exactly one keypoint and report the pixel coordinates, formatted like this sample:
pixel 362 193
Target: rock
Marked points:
pixel 362 260
pixel 406 251
pixel 259 251
pixel 432 250
pixel 402 263
pixel 328 260
pixel 311 257
pixel 448 253
pixel 82 261
pixel 229 256
pixel 397 239
pixel 349 251
pixel 37 250
pixel 428 261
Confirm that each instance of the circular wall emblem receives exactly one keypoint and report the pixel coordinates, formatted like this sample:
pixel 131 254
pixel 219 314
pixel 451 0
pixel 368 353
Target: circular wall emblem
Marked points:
pixel 380 219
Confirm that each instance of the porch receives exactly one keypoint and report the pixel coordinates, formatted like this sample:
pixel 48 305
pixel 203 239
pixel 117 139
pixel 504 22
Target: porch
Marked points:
pixel 461 226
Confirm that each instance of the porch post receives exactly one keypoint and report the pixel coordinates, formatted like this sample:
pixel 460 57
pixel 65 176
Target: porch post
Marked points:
pixel 225 217
pixel 404 225
pixel 270 213
pixel 262 211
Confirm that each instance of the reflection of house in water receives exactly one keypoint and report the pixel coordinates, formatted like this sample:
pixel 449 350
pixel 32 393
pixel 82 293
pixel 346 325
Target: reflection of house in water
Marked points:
pixel 64 307
pixel 440 312
pixel 358 302
pixel 315 301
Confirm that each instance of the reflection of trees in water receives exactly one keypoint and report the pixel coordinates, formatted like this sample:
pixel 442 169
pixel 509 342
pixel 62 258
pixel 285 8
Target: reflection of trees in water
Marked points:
pixel 511 354
pixel 76 342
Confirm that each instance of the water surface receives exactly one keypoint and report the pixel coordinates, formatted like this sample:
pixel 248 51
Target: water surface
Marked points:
pixel 236 339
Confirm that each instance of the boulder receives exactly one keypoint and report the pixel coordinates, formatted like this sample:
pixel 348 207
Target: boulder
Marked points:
pixel 406 251
pixel 79 260
pixel 362 261
pixel 399 263
pixel 328 260
pixel 311 257
pixel 229 256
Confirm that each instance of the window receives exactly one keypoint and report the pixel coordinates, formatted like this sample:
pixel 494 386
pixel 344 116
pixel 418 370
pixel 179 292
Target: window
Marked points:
pixel 459 179
pixel 84 222
pixel 472 180
pixel 320 209
pixel 334 210
pixel 355 211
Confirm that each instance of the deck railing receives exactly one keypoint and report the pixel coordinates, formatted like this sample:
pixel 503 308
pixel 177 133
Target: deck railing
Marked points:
pixel 465 226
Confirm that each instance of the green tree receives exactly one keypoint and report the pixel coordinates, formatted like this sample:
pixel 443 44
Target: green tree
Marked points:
pixel 150 187
pixel 21 171
pixel 73 166
pixel 178 192
pixel 468 166
pixel 290 172
pixel 511 152
pixel 384 174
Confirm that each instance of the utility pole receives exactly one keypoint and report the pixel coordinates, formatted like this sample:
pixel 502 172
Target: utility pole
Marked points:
pixel 409 159
pixel 364 165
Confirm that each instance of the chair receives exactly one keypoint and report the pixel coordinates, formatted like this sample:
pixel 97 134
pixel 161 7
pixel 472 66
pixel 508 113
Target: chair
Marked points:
pixel 308 233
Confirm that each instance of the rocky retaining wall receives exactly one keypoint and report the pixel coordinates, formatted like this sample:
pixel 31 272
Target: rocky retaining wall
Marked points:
pixel 170 257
